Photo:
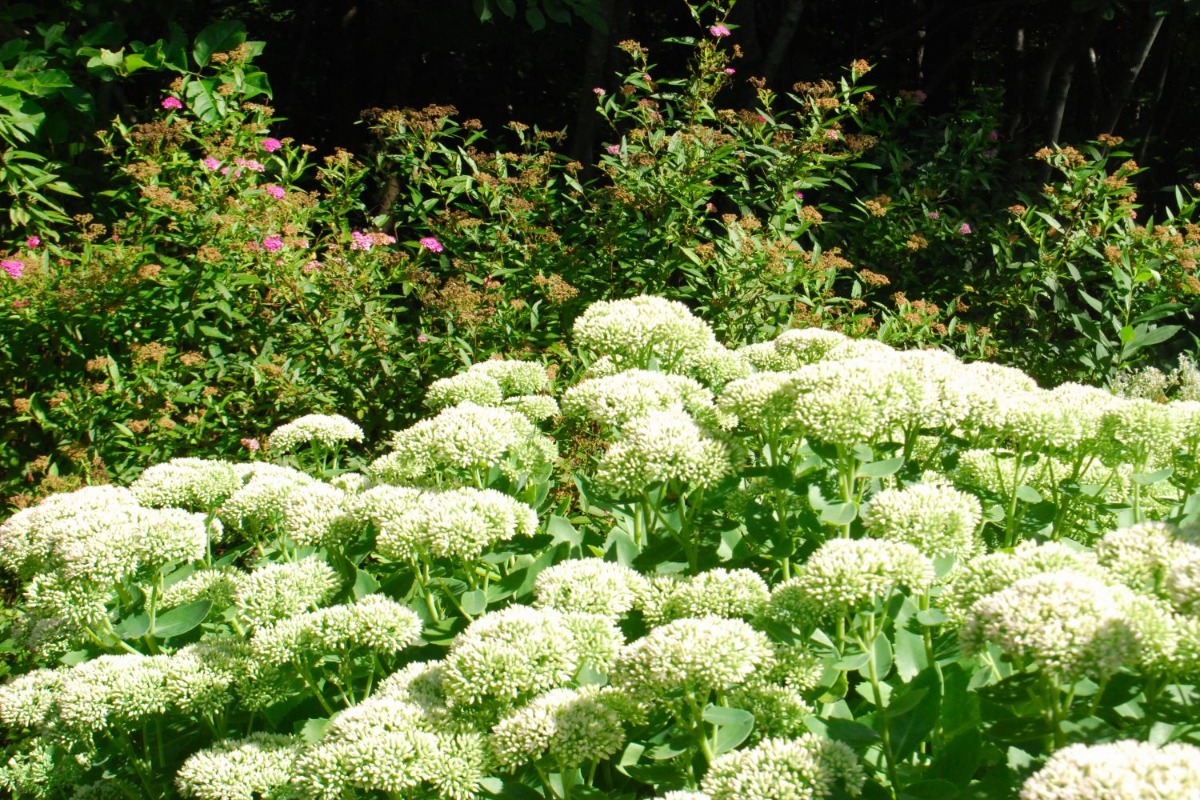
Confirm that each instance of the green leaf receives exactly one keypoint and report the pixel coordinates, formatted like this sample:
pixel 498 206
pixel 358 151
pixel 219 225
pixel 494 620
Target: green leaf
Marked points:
pixel 733 726
pixel 881 469
pixel 180 620
pixel 563 531
pixel 1148 478
pixel 910 654
pixel 839 513
pixel 220 37
pixel 535 18
pixel 312 730
pixel 1028 494
pixel 364 584
pixel 913 712
pixel 134 627
pixel 474 602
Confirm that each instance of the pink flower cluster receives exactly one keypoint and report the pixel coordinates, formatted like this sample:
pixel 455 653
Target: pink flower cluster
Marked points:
pixel 613 149
pixel 210 164
pixel 431 244
pixel 271 145
pixel 170 102
pixel 13 267
pixel 720 31
pixel 250 444
pixel 273 243
pixel 365 241
pixel 33 241
pixel 278 192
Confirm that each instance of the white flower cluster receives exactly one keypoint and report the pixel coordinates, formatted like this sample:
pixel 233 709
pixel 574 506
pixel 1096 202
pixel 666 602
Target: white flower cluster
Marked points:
pixel 465 437
pixel 937 520
pixel 615 400
pixel 570 726
pixel 238 769
pixel 987 574
pixel 389 746
pixel 219 586
pixel 456 523
pixel 329 430
pixel 514 377
pixel 470 386
pixel 763 401
pixel 1123 770
pixel 590 586
pixel 698 655
pixel 1069 625
pixel 848 575
pixel 196 484
pixel 809 768
pixel 374 623
pixel 792 349
pixel 280 590
pixel 717 366
pixel 317 516
pixel 506 657
pixel 117 690
pixel 534 407
pixel 862 400
pixel 1141 555
pixel 257 506
pixel 659 447
pixel 731 594
pixel 643 330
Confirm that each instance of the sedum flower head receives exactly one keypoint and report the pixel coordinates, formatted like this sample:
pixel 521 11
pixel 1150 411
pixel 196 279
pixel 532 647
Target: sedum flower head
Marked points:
pixel 259 502
pixel 374 623
pixel 281 590
pixel 660 447
pixel 989 389
pixel 514 377
pixel 505 657
pixel 993 572
pixel 642 330
pixel 218 586
pixel 615 400
pixel 1069 625
pixel 1122 770
pixel 792 349
pixel 717 366
pixel 534 407
pixel 1137 431
pixel 859 400
pixel 28 537
pixel 465 437
pixel 761 401
pixel 699 655
pixel 1181 583
pixel 475 387
pixel 1140 555
pixel 457 523
pixel 937 520
pixel 329 430
pixel 239 769
pixel 808 768
pixel 27 700
pixel 317 516
pixel 570 726
pixel 196 484
pixel 719 592
pixel 589 585
pixel 844 576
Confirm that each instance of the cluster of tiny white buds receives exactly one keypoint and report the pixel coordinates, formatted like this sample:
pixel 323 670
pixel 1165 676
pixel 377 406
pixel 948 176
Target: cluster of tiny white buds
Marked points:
pixel 329 430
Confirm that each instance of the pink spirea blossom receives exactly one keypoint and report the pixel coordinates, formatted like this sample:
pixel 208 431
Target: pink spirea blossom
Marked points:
pixel 13 267
pixel 730 70
pixel 250 444
pixel 365 241
pixel 210 163
pixel 964 229
pixel 422 338
pixel 832 135
pixel 993 136
pixel 250 164
pixel 613 149
pixel 799 195
pixel 311 266
pixel 32 242
pixel 22 302
pixel 271 145
pixel 431 244
pixel 719 31
pixel 599 91
pixel 278 192
pixel 920 96
pixel 170 102
pixel 933 215
pixel 273 243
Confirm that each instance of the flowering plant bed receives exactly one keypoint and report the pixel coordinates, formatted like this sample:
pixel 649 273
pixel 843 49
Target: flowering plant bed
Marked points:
pixel 811 567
